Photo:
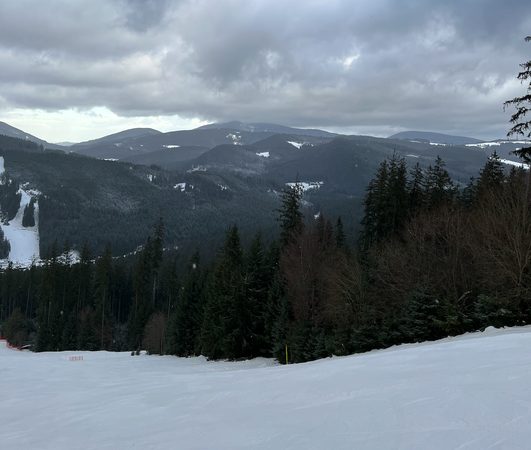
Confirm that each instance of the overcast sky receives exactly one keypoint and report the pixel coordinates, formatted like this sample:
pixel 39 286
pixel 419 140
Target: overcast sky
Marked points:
pixel 74 70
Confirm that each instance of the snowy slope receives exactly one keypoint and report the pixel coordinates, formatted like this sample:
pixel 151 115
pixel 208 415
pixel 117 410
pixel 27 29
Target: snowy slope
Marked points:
pixel 24 241
pixel 472 392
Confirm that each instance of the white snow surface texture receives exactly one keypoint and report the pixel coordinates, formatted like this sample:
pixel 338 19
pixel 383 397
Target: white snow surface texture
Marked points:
pixel 470 392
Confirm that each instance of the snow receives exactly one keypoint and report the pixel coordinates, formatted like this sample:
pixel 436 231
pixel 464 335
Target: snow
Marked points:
pixel 171 146
pixel 197 169
pixel 471 392
pixel 306 185
pixel 515 163
pixel 484 144
pixel 297 144
pixel 150 177
pixel 437 143
pixel 263 154
pixel 2 166
pixel 110 159
pixel 497 143
pixel 180 186
pixel 235 137
pixel 24 241
pixel 413 156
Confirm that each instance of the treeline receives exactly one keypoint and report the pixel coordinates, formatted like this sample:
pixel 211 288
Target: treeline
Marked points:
pixel 433 260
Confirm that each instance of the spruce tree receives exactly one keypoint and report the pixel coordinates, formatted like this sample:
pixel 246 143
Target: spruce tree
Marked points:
pixel 186 320
pixel 5 247
pixel 340 235
pixel 492 176
pixel 415 190
pixel 522 104
pixel 439 188
pixel 290 215
pixel 257 281
pixel 28 218
pixel 226 331
pixel 102 296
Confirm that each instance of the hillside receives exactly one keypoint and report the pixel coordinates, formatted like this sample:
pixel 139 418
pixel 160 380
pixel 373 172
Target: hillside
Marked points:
pixel 10 131
pixel 467 392
pixel 88 200
pixel 435 138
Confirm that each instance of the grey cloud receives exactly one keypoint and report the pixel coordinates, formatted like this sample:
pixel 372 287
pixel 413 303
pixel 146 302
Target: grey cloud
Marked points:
pixel 365 65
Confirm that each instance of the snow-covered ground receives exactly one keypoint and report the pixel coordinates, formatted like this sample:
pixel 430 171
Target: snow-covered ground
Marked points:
pixel 515 163
pixel 24 241
pixel 471 392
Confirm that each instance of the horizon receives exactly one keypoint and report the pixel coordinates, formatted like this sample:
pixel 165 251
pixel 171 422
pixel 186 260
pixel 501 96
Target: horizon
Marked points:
pixel 327 129
pixel 369 68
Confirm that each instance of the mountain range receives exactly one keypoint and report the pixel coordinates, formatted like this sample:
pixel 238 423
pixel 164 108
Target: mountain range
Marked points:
pixel 114 188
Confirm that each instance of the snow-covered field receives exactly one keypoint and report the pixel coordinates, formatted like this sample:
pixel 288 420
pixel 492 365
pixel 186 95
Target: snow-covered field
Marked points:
pixel 471 392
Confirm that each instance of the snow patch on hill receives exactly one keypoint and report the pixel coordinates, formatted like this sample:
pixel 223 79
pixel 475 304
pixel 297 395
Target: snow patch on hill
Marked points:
pixel 299 145
pixel 24 241
pixel 515 163
pixel 306 185
pixel 235 137
pixel 263 154
pixel 171 146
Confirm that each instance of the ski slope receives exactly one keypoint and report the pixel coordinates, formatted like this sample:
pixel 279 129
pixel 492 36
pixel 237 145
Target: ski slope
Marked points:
pixel 24 241
pixel 470 392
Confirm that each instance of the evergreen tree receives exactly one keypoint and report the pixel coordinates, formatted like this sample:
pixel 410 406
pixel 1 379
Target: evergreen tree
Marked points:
pixel 415 190
pixel 186 320
pixel 340 235
pixel 103 297
pixel 439 188
pixel 386 202
pixel 257 281
pixel 522 104
pixel 28 218
pixel 5 247
pixel 492 176
pixel 290 215
pixel 226 332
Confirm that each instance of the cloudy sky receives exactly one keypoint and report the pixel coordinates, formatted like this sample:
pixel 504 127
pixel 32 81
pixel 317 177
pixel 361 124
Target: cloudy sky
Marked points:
pixel 73 70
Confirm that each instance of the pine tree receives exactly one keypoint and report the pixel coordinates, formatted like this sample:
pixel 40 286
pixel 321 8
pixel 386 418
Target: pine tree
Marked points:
pixel 340 235
pixel 386 202
pixel 492 176
pixel 415 190
pixel 5 247
pixel 257 281
pixel 226 332
pixel 438 186
pixel 28 218
pixel 290 215
pixel 103 296
pixel 521 127
pixel 186 320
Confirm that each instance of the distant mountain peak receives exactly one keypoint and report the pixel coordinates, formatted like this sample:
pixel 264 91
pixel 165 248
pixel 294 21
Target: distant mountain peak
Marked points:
pixel 263 127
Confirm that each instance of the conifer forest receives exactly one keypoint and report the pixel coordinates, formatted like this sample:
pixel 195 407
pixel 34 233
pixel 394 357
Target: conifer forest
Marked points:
pixel 432 259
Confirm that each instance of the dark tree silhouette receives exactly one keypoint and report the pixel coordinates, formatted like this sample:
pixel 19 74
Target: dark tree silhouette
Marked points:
pixel 522 127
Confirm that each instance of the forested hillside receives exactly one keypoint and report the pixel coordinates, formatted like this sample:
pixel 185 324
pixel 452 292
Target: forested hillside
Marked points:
pixel 432 261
